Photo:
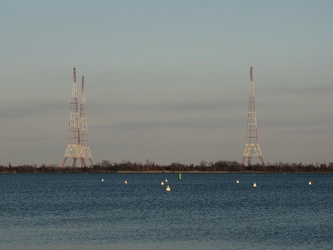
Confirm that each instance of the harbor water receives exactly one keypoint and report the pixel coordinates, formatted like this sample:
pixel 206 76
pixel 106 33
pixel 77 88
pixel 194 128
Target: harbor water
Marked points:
pixel 201 211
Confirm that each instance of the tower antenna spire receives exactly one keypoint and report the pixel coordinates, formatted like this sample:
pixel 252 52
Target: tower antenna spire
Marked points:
pixel 252 147
pixel 86 153
pixel 77 147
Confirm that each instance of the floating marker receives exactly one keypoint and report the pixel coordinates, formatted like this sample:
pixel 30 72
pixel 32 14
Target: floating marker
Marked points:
pixel 125 182
pixel 162 183
pixel 237 181
pixel 254 185
pixel 179 176
pixel 102 180
pixel 310 183
pixel 168 188
pixel 166 180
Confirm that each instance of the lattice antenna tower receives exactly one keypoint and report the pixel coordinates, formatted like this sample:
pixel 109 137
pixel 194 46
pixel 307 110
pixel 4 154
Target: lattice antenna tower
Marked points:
pixel 252 147
pixel 73 149
pixel 85 150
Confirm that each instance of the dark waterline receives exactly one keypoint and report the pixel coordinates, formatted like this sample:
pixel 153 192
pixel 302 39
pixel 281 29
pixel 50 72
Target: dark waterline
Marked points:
pixel 202 211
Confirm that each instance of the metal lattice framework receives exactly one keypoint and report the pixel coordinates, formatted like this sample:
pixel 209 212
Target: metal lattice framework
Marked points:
pixel 85 150
pixel 77 147
pixel 252 147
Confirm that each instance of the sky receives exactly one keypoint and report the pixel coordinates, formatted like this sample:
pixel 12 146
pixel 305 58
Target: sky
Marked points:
pixel 167 81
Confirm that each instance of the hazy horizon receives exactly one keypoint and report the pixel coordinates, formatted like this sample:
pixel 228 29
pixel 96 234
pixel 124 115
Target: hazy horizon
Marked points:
pixel 167 81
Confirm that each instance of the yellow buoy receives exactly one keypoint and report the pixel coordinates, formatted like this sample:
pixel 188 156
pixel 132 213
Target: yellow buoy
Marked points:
pixel 254 185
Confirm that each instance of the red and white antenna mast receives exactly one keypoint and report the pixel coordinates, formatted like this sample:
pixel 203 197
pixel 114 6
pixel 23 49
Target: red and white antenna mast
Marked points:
pixel 85 150
pixel 252 147
pixel 78 129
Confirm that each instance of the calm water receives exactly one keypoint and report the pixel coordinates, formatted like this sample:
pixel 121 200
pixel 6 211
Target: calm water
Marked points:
pixel 202 211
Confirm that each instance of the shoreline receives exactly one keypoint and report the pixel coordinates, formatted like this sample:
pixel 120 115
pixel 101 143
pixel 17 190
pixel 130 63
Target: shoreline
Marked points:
pixel 162 172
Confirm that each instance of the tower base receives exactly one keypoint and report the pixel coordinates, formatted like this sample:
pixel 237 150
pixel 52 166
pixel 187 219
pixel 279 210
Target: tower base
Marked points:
pixel 77 151
pixel 252 150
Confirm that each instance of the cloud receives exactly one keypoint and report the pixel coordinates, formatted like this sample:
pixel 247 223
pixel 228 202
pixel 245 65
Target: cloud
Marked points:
pixel 29 108
pixel 184 123
pixel 170 106
pixel 295 90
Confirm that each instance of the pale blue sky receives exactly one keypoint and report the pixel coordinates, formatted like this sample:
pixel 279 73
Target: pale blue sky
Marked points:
pixel 167 80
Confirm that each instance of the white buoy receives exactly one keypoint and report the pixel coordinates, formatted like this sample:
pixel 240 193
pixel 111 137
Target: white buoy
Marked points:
pixel 102 180
pixel 254 185
pixel 168 188
pixel 162 183
pixel 237 181
pixel 125 182
pixel 310 183
pixel 166 180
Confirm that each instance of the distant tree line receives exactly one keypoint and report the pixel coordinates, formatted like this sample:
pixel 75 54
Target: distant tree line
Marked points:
pixel 149 166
